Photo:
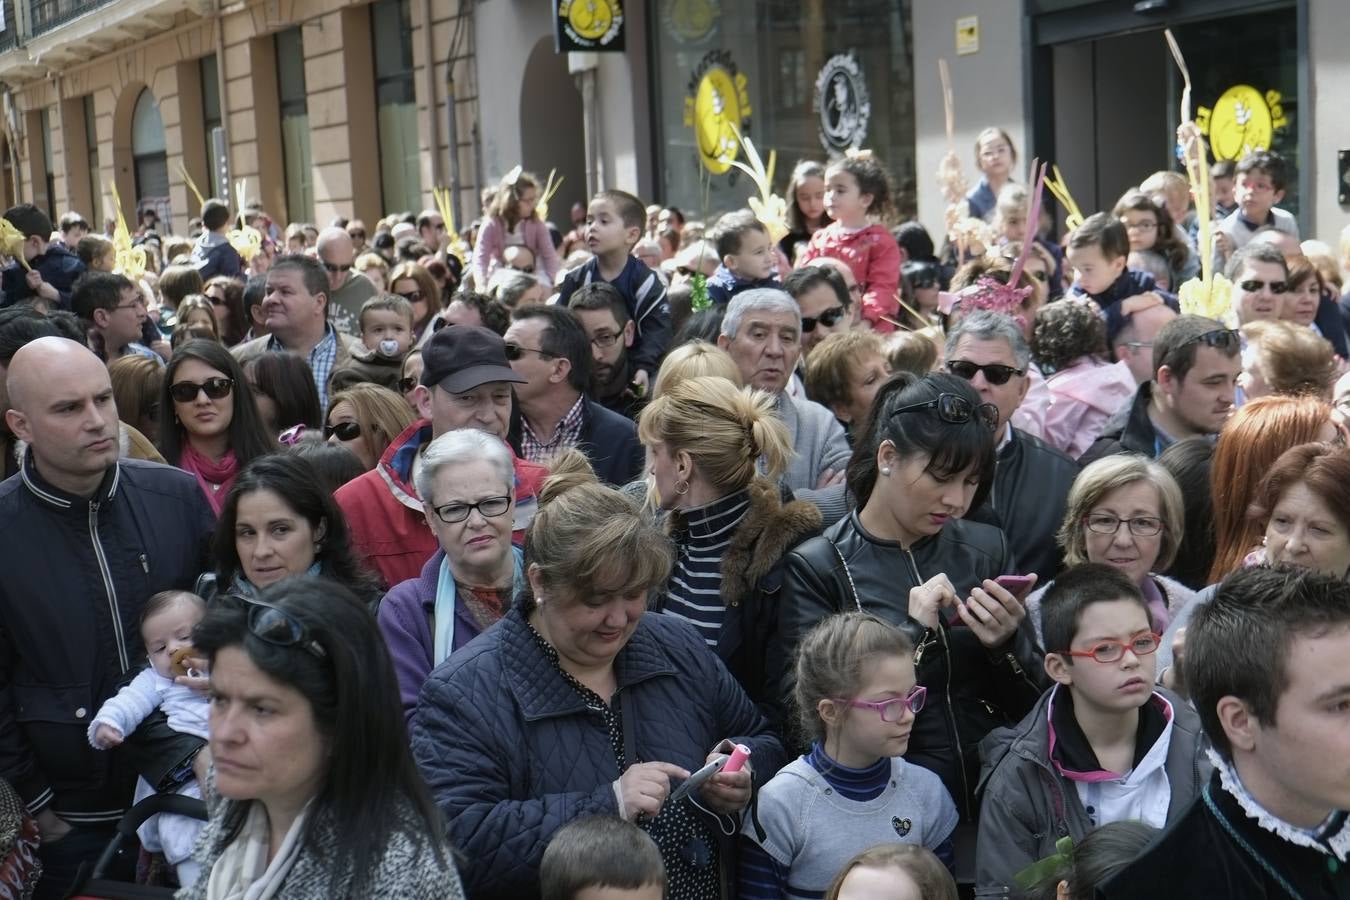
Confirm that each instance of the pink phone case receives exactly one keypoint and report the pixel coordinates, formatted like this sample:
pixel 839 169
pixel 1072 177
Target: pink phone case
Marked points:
pixel 1017 585
pixel 737 758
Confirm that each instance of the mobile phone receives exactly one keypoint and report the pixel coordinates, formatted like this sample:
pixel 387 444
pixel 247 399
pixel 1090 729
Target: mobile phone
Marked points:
pixel 696 780
pixel 1017 585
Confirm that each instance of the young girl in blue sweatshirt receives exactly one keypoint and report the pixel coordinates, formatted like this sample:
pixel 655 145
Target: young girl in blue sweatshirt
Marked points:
pixel 857 698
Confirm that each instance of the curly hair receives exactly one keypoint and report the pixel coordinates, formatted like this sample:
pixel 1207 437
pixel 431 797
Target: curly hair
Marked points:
pixel 873 179
pixel 1067 331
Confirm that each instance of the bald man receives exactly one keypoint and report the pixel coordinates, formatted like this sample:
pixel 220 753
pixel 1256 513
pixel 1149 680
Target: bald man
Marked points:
pixel 85 540
pixel 348 289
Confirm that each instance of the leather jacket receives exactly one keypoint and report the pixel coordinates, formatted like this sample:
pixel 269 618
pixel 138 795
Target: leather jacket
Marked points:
pixel 971 689
pixel 1031 490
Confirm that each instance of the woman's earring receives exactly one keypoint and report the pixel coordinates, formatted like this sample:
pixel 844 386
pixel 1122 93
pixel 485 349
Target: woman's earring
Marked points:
pixel 885 470
pixel 681 490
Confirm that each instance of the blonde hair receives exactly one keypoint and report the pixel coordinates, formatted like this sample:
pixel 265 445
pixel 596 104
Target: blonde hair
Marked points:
pixel 1106 475
pixel 1324 261
pixel 692 360
pixel 586 536
pixel 833 658
pixel 723 428
pixel 914 351
pixel 1294 359
pixel 381 413
pixel 832 362
pixel 919 863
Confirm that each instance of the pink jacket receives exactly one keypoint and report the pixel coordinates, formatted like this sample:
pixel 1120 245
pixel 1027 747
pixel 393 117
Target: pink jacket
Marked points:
pixel 874 257
pixel 487 253
pixel 1084 397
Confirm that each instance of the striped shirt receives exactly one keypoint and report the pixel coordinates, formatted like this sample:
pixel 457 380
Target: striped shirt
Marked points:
pixel 701 538
pixel 320 359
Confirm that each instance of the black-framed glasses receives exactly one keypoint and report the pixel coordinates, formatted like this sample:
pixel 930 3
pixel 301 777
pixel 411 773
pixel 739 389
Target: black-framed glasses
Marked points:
pixel 828 318
pixel 335 268
pixel 956 410
pixel 1253 285
pixel 280 628
pixel 1142 644
pixel 606 339
pixel 489 508
pixel 1140 526
pixel 407 384
pixel 994 373
pixel 345 431
pixel 514 352
pixel 1226 340
pixel 214 388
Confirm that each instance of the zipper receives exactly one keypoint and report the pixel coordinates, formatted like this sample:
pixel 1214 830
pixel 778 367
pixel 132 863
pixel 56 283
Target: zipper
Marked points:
pixel 108 587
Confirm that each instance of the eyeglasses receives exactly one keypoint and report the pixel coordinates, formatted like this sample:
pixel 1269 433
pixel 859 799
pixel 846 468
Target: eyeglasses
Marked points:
pixel 215 301
pixel 1039 274
pixel 1226 340
pixel 214 388
pixel 957 410
pixel 513 352
pixel 291 436
pixel 1142 644
pixel 489 508
pixel 892 710
pixel 345 431
pixel 1140 226
pixel 528 270
pixel 828 318
pixel 335 268
pixel 1138 345
pixel 994 373
pixel 407 384
pixel 1140 526
pixel 604 340
pixel 358 235
pixel 414 296
pixel 280 628
pixel 134 304
pixel 1252 286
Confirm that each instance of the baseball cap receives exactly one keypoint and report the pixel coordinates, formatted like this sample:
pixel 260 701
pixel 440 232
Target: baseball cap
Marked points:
pixel 461 357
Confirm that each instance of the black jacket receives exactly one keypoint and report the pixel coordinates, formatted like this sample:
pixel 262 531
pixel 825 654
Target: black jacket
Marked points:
pixel 1197 856
pixel 77 573
pixel 58 267
pixel 610 442
pixel 1128 431
pixel 1031 490
pixel 971 689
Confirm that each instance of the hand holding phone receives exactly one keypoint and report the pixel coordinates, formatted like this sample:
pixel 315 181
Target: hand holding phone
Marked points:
pixel 696 780
pixel 1017 585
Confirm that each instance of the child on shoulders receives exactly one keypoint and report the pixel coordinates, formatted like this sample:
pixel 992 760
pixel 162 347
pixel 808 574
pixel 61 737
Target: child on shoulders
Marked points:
pixel 513 220
pixel 1099 251
pixel 747 257
pixel 1260 183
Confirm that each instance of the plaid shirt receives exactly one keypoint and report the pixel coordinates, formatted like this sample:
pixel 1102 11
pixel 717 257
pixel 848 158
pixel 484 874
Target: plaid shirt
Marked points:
pixel 320 360
pixel 565 435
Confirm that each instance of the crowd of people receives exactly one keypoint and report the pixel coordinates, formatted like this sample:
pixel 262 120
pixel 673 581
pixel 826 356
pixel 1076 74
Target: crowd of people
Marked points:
pixel 667 558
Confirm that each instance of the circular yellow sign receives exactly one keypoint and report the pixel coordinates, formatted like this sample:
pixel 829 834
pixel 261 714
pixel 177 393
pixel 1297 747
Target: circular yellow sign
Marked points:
pixel 1240 123
pixel 591 19
pixel 691 20
pixel 717 114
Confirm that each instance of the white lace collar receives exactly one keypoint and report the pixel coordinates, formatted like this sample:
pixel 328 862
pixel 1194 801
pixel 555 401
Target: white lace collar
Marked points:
pixel 1339 843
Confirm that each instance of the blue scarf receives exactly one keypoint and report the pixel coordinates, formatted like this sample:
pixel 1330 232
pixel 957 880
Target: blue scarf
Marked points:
pixel 444 617
pixel 247 588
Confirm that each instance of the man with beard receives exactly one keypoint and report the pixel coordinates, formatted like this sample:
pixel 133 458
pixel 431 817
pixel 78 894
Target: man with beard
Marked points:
pixel 610 329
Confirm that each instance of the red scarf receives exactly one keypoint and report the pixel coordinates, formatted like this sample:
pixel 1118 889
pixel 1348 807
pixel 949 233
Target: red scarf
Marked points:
pixel 215 477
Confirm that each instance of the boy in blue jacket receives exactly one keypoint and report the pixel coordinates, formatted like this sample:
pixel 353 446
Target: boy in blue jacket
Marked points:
pixel 747 257
pixel 1099 252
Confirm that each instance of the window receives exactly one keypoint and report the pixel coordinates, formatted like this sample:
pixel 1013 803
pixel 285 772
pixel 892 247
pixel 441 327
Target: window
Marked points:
pixel 295 126
pixel 91 150
pixel 48 167
pixel 210 79
pixel 150 158
pixel 396 105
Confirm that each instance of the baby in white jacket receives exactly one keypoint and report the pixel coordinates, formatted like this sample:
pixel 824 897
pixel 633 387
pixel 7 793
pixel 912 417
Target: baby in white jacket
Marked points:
pixel 166 629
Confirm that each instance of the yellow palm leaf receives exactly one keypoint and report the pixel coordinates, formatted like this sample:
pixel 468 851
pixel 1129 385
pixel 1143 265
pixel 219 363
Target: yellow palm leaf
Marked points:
pixel 11 242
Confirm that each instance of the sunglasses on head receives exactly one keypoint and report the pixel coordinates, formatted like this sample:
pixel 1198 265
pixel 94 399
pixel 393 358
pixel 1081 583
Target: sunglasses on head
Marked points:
pixel 345 431
pixel 215 389
pixel 956 410
pixel 1226 340
pixel 279 628
pixel 828 318
pixel 994 373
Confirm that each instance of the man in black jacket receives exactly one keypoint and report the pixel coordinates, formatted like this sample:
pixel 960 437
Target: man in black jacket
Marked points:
pixel 85 540
pixel 547 346
pixel 1032 479
pixel 52 270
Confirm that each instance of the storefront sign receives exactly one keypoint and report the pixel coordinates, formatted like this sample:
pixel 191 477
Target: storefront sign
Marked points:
pixel 842 103
pixel 1243 120
pixel 594 26
pixel 967 35
pixel 717 107
pixel 691 21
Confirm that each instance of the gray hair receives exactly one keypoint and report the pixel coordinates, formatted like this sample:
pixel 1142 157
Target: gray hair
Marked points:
pixel 509 285
pixel 463 445
pixel 758 299
pixel 984 325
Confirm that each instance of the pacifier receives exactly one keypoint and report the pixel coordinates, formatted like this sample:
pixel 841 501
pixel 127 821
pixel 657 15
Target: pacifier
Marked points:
pixel 389 347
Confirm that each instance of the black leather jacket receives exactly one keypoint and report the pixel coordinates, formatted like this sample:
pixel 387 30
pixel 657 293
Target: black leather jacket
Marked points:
pixel 971 689
pixel 1031 490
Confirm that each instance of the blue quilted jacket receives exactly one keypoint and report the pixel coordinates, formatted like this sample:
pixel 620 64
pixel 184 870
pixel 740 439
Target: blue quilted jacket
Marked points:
pixel 511 753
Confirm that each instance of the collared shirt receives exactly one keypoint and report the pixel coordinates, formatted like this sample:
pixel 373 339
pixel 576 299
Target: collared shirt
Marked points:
pixel 320 359
pixel 565 435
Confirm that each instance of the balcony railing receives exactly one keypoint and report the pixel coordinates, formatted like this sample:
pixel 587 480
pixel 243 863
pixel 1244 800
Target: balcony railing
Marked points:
pixel 48 14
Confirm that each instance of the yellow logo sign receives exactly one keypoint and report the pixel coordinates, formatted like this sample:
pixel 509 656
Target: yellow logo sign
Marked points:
pixel 591 21
pixel 691 21
pixel 717 107
pixel 1242 121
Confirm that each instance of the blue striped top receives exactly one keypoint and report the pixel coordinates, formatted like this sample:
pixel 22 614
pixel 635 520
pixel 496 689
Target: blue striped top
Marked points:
pixel 702 536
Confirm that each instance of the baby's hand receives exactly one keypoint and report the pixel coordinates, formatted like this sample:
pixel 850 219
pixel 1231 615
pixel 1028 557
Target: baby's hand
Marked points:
pixel 107 737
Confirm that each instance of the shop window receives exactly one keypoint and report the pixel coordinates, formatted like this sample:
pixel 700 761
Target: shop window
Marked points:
pixel 150 159
pixel 95 214
pixel 773 53
pixel 396 105
pixel 295 152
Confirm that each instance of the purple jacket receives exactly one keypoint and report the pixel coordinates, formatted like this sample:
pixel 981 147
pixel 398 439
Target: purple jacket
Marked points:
pixel 405 616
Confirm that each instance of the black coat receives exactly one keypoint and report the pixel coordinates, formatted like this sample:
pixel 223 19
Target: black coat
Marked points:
pixel 1031 490
pixel 1128 431
pixel 58 267
pixel 77 573
pixel 971 689
pixel 610 442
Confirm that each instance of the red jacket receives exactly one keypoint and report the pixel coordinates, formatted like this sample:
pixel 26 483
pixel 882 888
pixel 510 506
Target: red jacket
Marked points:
pixel 874 257
pixel 385 515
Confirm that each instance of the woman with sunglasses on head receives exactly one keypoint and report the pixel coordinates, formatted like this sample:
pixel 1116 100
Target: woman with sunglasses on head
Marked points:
pixel 280 521
pixel 906 555
pixel 303 712
pixel 467 485
pixel 209 425
pixel 365 418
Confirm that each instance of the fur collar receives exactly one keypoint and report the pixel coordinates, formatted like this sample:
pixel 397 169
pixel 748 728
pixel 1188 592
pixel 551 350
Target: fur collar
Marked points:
pixel 770 528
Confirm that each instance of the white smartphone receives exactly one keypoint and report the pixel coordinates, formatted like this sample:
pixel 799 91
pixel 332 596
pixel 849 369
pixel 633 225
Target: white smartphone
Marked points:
pixel 696 780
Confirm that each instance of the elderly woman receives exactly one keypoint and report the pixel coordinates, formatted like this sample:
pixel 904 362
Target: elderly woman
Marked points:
pixel 302 713
pixel 1125 512
pixel 466 483
pixel 577 703
pixel 844 374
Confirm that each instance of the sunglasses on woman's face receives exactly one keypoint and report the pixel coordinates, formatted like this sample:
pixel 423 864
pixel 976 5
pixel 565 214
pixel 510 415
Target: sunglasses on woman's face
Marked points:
pixel 345 431
pixel 828 318
pixel 215 389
